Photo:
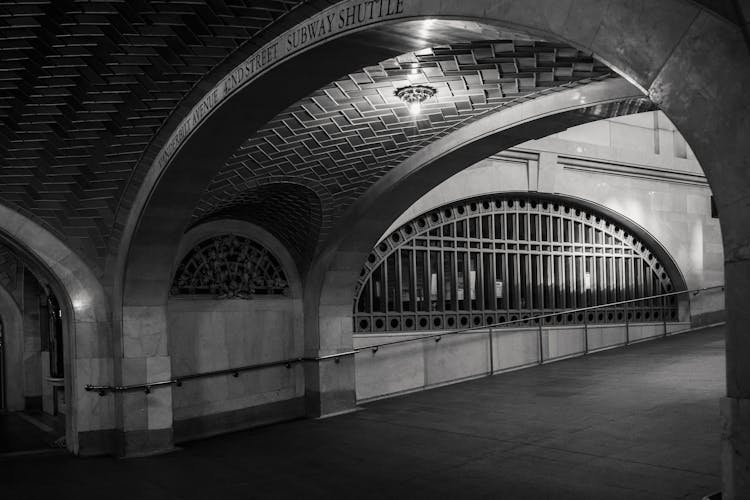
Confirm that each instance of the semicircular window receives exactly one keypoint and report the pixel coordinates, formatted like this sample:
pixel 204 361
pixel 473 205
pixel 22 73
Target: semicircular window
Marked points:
pixel 229 266
pixel 497 259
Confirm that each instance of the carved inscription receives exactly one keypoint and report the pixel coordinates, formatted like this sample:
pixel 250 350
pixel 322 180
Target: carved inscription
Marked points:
pixel 227 267
pixel 337 19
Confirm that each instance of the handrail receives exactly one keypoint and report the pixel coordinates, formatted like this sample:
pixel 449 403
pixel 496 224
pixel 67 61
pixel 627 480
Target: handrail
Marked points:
pixel 146 387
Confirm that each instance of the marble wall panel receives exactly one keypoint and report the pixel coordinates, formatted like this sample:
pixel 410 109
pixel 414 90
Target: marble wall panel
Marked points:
pixel 600 337
pixel 513 348
pixel 559 342
pixel 390 371
pixel 208 335
pixel 645 331
pixel 456 357
pixel 93 412
pixel 144 331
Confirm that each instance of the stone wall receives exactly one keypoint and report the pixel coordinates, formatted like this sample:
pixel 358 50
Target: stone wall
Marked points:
pixel 208 334
pixel 637 165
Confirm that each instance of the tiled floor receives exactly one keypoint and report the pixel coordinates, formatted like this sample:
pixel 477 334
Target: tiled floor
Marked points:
pixel 633 423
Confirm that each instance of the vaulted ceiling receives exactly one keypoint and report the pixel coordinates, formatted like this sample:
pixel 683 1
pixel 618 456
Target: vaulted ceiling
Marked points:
pixel 85 86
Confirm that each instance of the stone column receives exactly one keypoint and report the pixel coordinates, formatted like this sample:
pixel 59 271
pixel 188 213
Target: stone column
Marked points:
pixel 735 407
pixel 90 416
pixel 329 383
pixel 146 423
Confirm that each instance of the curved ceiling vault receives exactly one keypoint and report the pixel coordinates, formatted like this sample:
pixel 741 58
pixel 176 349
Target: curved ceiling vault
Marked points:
pixel 86 86
pixel 342 138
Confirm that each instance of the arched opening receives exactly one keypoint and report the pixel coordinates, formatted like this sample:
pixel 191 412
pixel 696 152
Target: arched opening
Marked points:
pixel 84 321
pixel 35 358
pixel 504 257
pixel 693 39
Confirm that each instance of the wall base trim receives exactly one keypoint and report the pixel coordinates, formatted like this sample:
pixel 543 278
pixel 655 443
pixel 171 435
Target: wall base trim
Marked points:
pixel 97 443
pixel 144 443
pixel 236 420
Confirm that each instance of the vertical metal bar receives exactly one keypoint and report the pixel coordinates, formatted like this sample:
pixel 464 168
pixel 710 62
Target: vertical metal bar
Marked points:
pixel 664 315
pixel 454 263
pixel 427 279
pixel 627 325
pixel 397 300
pixel 385 286
pixel 441 282
pixel 414 282
pixel 506 282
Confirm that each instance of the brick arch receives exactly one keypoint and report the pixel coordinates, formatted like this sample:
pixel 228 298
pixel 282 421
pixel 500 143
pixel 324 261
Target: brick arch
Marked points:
pixel 288 210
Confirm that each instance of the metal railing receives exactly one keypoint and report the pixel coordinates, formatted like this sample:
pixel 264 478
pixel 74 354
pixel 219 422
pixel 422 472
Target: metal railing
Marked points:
pixel 336 357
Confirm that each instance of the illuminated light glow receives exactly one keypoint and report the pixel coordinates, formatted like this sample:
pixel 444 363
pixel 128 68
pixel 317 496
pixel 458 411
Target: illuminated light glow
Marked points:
pixel 414 95
pixel 81 302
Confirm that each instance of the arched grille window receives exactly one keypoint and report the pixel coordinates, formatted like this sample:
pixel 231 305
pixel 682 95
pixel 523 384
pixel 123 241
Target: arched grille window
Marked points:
pixel 229 266
pixel 495 259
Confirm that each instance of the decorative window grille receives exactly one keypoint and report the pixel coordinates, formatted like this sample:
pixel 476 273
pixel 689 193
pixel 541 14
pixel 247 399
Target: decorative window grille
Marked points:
pixel 229 266
pixel 495 259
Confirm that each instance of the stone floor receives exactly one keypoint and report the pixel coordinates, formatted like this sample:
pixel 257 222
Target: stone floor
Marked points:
pixel 634 423
pixel 29 431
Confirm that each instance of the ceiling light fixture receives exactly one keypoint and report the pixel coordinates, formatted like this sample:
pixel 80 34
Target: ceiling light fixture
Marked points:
pixel 414 96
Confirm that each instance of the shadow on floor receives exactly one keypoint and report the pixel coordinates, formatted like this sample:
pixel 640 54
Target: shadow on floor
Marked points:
pixel 29 432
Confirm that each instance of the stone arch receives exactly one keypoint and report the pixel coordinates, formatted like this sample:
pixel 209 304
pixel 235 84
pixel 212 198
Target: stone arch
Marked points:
pixel 338 268
pixel 692 70
pixel 87 343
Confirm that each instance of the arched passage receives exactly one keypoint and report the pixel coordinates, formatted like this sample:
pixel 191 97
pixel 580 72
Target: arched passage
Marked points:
pixel 88 358
pixel 685 57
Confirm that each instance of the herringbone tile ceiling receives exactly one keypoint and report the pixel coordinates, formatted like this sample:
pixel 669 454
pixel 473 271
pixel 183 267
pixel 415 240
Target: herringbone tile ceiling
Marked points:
pixel 86 85
pixel 345 136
